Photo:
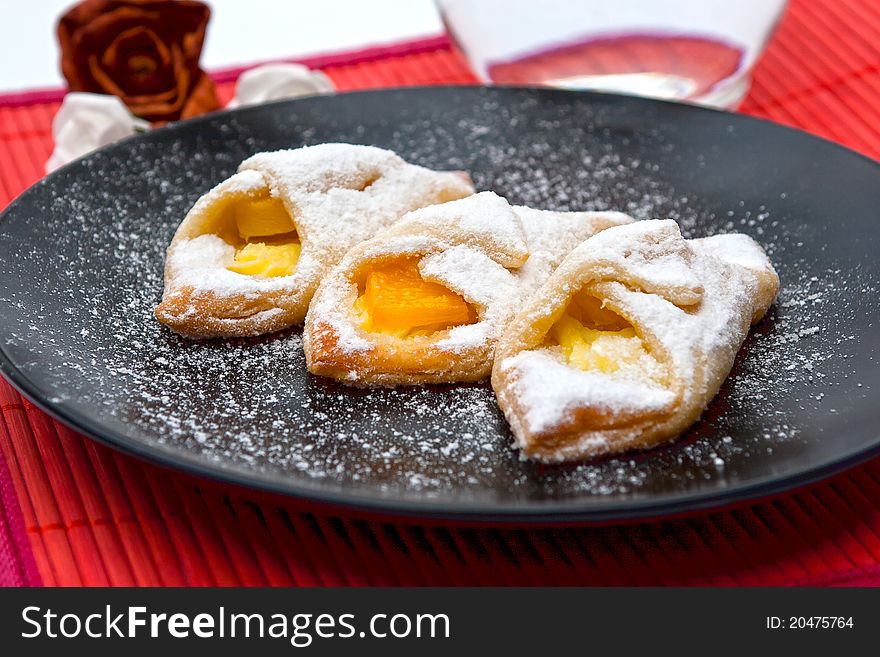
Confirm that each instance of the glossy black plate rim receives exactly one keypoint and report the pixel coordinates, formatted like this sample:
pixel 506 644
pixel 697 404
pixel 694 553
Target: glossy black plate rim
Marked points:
pixel 545 512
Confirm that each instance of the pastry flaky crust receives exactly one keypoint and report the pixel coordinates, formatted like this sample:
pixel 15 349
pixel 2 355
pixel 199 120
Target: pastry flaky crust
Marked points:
pixel 490 253
pixel 691 302
pixel 337 196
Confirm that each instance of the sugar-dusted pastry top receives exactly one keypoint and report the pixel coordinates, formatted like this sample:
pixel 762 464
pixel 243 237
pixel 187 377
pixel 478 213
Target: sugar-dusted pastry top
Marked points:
pixel 667 318
pixel 255 276
pixel 468 248
pixel 548 388
pixel 486 255
pixel 342 194
pixel 552 235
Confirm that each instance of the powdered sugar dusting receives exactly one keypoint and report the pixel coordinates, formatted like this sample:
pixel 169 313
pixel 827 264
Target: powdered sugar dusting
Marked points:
pixel 548 387
pixel 480 281
pixel 483 220
pixel 337 195
pixel 552 235
pixel 99 233
pixel 686 296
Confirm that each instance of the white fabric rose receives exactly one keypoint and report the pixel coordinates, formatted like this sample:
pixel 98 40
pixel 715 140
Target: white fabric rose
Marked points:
pixel 277 81
pixel 86 122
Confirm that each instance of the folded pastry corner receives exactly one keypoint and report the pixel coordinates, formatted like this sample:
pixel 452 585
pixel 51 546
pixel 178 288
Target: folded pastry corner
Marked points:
pixel 426 300
pixel 249 255
pixel 552 235
pixel 628 340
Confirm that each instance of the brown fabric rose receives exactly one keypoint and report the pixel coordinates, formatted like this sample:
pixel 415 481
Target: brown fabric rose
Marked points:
pixel 144 51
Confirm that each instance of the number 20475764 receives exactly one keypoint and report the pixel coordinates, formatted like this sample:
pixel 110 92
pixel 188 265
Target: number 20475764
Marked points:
pixel 809 623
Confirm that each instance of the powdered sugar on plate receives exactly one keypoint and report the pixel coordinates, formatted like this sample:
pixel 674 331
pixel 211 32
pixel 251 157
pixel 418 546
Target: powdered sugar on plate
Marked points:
pixel 77 300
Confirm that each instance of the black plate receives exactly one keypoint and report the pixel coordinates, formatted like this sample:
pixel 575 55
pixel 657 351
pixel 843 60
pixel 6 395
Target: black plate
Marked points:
pixel 81 269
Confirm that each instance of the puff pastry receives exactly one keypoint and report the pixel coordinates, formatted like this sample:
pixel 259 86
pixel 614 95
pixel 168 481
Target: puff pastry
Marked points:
pixel 248 257
pixel 629 339
pixel 426 300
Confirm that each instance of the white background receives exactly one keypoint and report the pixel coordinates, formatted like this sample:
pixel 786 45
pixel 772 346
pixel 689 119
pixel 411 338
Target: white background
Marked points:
pixel 240 32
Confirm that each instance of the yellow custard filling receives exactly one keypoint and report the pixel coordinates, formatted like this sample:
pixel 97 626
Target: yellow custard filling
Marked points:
pixel 262 217
pixel 596 339
pixel 266 260
pixel 271 245
pixel 396 300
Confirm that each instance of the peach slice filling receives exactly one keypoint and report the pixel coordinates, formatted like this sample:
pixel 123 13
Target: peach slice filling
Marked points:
pixel 397 301
pixel 594 338
pixel 268 242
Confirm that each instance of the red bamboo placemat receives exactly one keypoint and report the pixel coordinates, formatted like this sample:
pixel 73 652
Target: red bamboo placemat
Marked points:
pixel 94 516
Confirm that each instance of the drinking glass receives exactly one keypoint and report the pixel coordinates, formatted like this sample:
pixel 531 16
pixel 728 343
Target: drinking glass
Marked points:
pixel 699 51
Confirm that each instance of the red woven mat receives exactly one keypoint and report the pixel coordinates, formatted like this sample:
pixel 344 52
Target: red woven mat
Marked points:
pixel 94 516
